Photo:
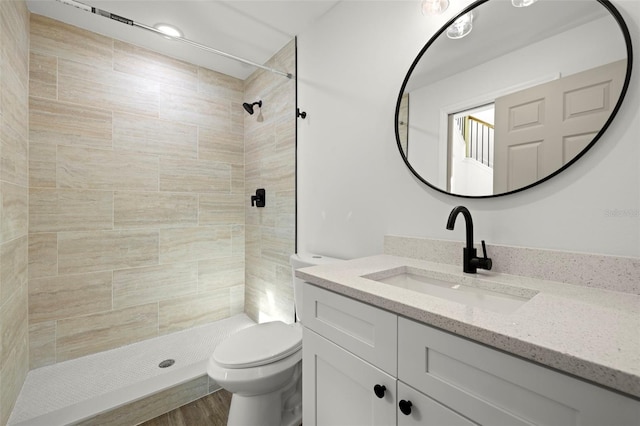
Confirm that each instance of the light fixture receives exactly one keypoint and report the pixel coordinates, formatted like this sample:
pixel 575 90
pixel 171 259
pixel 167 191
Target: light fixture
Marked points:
pixel 175 35
pixel 523 3
pixel 434 7
pixel 168 30
pixel 461 26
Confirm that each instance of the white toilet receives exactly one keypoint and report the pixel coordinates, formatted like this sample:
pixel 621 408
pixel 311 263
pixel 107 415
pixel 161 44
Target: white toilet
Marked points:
pixel 262 365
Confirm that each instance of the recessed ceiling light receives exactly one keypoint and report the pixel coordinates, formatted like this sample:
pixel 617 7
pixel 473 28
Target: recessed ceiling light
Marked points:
pixel 169 30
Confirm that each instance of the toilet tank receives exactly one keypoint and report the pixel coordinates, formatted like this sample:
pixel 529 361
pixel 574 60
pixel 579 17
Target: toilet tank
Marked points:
pixel 302 260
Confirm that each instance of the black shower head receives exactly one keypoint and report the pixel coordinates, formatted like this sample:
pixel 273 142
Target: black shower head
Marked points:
pixel 249 107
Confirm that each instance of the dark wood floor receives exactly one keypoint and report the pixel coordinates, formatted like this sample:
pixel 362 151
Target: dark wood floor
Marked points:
pixel 212 410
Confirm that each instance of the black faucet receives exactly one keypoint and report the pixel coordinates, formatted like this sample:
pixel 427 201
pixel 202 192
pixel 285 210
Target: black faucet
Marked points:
pixel 471 262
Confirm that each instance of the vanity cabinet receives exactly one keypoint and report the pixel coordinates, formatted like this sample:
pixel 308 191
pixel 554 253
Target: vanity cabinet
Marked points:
pixel 350 360
pixel 425 411
pixel 348 348
pixel 340 388
pixel 364 330
pixel 495 388
pixel 431 377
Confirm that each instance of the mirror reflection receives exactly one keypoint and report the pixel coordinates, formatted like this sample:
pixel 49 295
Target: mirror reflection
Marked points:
pixel 516 99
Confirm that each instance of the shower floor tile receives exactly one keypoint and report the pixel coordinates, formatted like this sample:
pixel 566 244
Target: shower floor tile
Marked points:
pixel 98 381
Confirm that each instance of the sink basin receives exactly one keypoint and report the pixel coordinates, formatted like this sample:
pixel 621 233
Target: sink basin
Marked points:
pixel 476 292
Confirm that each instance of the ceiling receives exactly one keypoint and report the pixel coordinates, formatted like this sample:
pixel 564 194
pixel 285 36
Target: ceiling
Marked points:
pixel 251 29
pixel 498 29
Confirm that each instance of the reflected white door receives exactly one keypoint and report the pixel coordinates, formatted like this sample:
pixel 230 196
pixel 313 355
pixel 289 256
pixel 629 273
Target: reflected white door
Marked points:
pixel 540 129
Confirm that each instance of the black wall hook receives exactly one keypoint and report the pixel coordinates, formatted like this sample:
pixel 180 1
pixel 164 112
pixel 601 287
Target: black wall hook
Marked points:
pixel 301 113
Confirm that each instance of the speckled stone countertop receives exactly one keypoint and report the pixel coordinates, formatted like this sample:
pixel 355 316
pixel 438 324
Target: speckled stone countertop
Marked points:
pixel 590 333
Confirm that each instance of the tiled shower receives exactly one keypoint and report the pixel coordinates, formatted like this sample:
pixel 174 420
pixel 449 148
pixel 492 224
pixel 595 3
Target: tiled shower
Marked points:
pixel 136 192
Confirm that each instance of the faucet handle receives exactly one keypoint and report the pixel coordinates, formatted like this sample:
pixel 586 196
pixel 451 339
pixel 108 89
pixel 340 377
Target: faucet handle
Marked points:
pixel 485 262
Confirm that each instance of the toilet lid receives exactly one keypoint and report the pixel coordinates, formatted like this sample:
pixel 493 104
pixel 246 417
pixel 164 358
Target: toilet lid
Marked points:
pixel 259 345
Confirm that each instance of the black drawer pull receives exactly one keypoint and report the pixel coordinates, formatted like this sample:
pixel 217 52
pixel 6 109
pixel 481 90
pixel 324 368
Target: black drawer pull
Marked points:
pixel 405 407
pixel 379 390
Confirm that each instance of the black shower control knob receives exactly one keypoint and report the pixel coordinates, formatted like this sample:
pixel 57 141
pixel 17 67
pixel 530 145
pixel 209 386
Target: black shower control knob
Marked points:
pixel 259 200
pixel 379 390
pixel 405 407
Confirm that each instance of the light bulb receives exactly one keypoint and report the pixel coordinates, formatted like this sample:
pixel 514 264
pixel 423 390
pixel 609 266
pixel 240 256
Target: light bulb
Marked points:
pixel 461 26
pixel 523 3
pixel 434 7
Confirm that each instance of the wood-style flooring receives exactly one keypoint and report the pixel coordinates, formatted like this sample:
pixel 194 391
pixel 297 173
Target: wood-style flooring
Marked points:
pixel 212 410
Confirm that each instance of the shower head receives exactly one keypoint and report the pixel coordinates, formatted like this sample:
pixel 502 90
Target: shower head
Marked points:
pixel 249 107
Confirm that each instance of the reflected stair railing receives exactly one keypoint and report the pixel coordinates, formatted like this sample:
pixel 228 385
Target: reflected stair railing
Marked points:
pixel 478 136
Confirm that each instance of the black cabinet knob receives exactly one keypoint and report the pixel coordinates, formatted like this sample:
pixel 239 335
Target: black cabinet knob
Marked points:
pixel 405 407
pixel 379 390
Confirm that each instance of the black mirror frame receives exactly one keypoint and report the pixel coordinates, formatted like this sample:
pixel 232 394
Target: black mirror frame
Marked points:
pixel 627 37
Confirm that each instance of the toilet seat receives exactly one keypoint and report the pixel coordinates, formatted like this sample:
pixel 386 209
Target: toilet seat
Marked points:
pixel 259 345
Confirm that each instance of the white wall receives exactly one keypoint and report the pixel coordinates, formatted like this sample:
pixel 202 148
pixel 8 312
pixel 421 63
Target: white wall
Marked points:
pixel 353 187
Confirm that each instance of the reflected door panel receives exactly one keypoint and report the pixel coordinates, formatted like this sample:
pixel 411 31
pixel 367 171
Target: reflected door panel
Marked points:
pixel 523 150
pixel 588 100
pixel 540 129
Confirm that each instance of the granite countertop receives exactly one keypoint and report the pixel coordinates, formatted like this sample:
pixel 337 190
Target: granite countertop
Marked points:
pixel 590 333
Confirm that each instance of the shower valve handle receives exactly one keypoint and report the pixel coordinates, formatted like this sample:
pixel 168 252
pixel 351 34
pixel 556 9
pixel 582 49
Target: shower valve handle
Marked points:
pixel 259 199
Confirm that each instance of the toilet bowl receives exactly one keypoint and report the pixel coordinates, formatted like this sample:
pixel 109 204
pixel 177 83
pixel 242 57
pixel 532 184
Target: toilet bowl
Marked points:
pixel 262 366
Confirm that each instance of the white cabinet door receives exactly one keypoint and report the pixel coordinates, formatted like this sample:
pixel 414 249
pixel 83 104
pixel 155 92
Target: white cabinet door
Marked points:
pixel 425 411
pixel 338 387
pixel 364 330
pixel 494 388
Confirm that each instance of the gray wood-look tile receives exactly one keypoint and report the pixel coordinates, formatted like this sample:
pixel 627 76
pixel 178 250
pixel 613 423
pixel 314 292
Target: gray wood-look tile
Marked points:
pixel 212 410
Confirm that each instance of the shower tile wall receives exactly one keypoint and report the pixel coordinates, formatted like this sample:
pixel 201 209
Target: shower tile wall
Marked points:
pixel 136 194
pixel 270 163
pixel 14 133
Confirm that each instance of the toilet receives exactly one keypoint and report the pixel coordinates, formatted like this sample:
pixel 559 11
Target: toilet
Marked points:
pixel 262 365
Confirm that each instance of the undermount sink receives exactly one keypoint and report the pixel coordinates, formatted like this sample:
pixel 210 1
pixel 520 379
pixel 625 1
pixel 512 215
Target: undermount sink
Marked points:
pixel 477 292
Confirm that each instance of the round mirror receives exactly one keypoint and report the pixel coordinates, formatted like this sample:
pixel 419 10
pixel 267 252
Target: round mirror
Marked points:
pixel 503 97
